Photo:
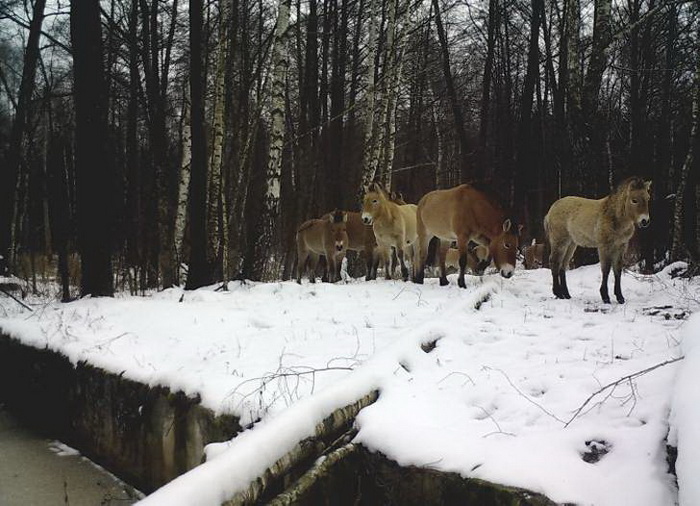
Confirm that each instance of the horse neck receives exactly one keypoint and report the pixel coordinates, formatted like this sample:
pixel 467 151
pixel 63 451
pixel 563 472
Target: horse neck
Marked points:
pixel 614 206
pixel 385 209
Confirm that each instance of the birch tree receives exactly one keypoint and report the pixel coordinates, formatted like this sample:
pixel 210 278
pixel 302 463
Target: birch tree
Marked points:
pixel 267 244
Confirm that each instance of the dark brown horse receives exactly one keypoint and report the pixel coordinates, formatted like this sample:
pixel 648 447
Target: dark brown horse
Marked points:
pixel 607 224
pixel 461 214
pixel 322 237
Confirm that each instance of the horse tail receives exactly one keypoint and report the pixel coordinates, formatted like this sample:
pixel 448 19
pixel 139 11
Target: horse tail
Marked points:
pixel 547 246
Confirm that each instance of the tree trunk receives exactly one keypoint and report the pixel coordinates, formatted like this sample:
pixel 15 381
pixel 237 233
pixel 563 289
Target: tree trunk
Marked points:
pixel 369 164
pixel 678 245
pixel 466 170
pixel 184 185
pixel 268 243
pixel 199 273
pixel 9 173
pixel 94 165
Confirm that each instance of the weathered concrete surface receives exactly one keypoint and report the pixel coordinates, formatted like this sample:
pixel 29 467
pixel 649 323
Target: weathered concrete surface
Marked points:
pixel 33 472
pixel 146 436
pixel 358 476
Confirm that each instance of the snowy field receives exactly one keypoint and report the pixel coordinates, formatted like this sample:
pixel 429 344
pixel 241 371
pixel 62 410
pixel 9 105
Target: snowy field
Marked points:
pixel 504 396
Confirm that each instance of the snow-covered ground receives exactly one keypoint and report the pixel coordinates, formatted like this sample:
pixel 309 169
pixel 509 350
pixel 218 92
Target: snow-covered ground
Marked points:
pixel 498 398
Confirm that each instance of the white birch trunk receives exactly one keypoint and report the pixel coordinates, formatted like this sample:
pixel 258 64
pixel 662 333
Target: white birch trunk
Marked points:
pixel 215 183
pixel 183 188
pixel 268 242
pixel 369 166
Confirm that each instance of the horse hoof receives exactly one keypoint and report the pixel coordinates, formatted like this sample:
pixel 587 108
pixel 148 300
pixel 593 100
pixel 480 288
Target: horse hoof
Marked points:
pixel 621 300
pixel 606 301
pixel 444 282
pixel 461 283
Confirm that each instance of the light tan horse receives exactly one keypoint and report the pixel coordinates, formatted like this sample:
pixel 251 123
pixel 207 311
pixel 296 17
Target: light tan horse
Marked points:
pixel 394 225
pixel 461 214
pixel 328 237
pixel 476 262
pixel 607 224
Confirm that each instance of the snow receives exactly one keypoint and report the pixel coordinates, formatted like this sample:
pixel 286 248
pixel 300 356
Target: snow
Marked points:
pixel 685 430
pixel 495 399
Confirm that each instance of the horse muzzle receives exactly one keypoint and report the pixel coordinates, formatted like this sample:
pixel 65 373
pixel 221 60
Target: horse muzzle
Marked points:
pixel 339 247
pixel 507 271
pixel 644 222
pixel 366 218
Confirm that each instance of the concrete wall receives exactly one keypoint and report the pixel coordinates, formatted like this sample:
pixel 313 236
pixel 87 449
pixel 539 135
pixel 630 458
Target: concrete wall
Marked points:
pixel 147 436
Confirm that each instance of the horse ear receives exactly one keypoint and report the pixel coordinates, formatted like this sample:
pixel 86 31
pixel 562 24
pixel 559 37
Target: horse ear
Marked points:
pixel 331 216
pixel 506 225
pixel 520 229
pixel 647 185
pixel 345 216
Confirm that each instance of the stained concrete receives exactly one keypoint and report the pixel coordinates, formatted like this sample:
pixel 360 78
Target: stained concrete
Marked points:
pixel 35 471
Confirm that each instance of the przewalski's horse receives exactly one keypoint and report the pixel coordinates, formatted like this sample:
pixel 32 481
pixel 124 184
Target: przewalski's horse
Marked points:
pixel 461 214
pixel 394 225
pixel 361 239
pixel 533 256
pixel 326 236
pixel 476 262
pixel 607 224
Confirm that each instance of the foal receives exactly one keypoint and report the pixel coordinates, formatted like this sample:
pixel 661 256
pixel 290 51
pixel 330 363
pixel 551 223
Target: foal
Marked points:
pixel 326 236
pixel 607 224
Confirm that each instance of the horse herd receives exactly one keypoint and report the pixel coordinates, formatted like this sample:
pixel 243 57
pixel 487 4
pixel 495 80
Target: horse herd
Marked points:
pixel 473 219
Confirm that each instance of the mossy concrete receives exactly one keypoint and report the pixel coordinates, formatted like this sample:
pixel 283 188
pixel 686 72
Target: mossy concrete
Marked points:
pixel 145 435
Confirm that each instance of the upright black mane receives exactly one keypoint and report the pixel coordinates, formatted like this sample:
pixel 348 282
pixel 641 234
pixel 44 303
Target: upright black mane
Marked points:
pixel 494 197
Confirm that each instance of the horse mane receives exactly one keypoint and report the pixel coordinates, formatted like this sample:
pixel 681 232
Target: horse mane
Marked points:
pixel 305 225
pixel 494 198
pixel 632 183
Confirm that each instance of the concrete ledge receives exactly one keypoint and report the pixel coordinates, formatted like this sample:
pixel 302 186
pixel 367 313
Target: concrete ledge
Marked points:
pixel 147 436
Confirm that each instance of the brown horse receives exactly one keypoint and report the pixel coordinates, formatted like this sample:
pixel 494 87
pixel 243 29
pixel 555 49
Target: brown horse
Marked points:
pixel 607 224
pixel 394 225
pixel 476 262
pixel 533 256
pixel 461 214
pixel 328 237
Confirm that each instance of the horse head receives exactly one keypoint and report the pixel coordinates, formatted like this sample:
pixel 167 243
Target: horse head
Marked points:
pixel 504 247
pixel 636 204
pixel 375 197
pixel 339 233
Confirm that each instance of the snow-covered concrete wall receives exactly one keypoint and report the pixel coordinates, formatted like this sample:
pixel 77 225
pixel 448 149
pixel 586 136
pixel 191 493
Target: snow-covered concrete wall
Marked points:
pixel 148 436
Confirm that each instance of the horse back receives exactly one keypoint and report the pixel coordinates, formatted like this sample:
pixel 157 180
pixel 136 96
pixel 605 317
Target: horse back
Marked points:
pixel 461 210
pixel 576 218
pixel 313 234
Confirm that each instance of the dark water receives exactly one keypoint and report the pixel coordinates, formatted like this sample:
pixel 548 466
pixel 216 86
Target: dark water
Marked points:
pixel 39 472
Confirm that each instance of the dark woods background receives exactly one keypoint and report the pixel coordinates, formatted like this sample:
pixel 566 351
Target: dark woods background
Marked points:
pixel 140 135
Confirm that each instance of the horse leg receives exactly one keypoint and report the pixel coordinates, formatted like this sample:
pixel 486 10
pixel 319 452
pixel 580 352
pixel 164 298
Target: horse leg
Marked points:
pixel 556 260
pixel 442 251
pixel 605 264
pixel 421 251
pixel 330 268
pixel 369 263
pixel 617 271
pixel 312 267
pixel 462 246
pixel 302 258
pixel 404 269
pixel 563 288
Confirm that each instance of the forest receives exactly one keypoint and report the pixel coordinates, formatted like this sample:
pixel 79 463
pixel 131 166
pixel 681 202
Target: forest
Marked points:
pixel 150 143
